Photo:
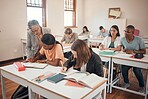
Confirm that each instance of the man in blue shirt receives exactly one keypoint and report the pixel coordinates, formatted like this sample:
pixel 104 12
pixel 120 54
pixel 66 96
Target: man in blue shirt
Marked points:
pixel 103 32
pixel 132 44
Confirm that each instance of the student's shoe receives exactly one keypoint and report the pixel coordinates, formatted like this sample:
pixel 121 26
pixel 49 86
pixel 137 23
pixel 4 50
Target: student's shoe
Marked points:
pixel 142 90
pixel 126 85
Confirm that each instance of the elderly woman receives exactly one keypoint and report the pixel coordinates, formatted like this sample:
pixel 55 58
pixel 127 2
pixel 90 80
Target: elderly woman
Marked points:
pixel 34 36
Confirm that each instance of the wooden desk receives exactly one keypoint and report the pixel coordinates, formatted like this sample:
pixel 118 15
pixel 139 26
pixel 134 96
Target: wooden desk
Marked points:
pixel 124 59
pixel 45 88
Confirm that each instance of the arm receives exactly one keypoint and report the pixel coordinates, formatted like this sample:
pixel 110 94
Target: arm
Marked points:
pixel 118 48
pixel 28 46
pixel 54 63
pixel 63 39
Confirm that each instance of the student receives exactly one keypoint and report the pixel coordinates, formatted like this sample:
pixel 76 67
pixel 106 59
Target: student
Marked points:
pixel 111 42
pixel 85 32
pixel 34 36
pixel 51 49
pixel 54 54
pixel 83 59
pixel 132 44
pixel 103 32
pixel 69 36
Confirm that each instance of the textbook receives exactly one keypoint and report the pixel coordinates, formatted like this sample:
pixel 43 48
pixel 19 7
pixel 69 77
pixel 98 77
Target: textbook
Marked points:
pixel 44 76
pixel 35 65
pixel 56 78
pixel 88 80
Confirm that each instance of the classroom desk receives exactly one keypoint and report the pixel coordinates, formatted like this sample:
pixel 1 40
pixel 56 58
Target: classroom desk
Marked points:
pixel 45 88
pixel 95 41
pixel 124 59
pixel 105 58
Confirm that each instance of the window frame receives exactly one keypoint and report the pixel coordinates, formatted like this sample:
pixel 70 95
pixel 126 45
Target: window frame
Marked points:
pixel 74 16
pixel 44 24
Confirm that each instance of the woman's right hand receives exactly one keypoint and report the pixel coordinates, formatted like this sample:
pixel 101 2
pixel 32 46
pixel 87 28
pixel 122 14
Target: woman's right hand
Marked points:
pixel 64 69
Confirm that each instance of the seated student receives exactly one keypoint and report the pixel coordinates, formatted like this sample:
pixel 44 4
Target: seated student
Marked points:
pixel 111 42
pixel 132 44
pixel 54 54
pixel 34 35
pixel 51 49
pixel 69 37
pixel 103 32
pixel 85 32
pixel 83 59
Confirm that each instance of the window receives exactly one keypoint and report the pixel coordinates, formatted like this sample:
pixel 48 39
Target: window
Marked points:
pixel 36 9
pixel 70 13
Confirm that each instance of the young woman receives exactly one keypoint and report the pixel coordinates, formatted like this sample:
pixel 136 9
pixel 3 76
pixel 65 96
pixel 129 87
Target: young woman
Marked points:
pixel 83 59
pixel 85 32
pixel 112 41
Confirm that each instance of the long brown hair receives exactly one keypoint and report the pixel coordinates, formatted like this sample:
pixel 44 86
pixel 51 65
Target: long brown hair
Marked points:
pixel 83 52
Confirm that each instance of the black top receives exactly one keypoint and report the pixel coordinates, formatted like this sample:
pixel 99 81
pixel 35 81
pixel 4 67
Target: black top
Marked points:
pixel 94 64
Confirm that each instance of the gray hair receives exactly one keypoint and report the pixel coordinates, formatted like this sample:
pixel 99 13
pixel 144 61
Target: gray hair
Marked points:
pixel 32 23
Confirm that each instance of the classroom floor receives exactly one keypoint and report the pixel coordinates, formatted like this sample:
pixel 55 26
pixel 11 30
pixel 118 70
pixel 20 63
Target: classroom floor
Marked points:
pixel 116 94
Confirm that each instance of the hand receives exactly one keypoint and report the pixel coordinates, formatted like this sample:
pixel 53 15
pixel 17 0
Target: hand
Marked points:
pixel 64 69
pixel 129 51
pixel 41 61
pixel 30 60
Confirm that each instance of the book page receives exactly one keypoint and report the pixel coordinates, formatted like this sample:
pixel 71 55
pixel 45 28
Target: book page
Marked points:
pixel 91 80
pixel 76 76
pixel 35 65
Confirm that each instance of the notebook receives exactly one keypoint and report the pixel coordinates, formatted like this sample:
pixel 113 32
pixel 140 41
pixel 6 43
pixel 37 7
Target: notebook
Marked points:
pixel 56 78
pixel 35 65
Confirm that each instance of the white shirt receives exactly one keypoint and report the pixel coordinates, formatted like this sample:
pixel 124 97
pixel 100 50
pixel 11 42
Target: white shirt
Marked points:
pixel 107 40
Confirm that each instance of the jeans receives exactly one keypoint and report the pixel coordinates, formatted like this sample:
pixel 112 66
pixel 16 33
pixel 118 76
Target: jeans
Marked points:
pixel 137 72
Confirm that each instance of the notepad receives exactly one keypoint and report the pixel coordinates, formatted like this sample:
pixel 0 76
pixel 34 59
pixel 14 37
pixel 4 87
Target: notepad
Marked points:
pixel 107 52
pixel 35 65
pixel 56 78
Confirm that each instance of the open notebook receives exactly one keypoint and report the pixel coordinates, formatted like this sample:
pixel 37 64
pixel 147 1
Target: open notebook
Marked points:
pixel 35 65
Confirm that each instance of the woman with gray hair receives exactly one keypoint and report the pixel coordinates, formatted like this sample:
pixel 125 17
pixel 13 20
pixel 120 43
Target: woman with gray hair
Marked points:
pixel 34 36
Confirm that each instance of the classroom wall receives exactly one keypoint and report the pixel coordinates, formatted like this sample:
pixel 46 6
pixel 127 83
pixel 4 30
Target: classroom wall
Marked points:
pixel 12 28
pixel 55 16
pixel 135 11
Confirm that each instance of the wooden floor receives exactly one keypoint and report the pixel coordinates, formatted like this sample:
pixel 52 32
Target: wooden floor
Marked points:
pixel 116 94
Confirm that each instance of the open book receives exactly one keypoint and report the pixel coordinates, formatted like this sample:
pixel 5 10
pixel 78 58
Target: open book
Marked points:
pixel 88 80
pixel 35 65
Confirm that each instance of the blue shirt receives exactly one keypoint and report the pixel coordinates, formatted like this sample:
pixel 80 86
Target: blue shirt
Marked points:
pixel 136 44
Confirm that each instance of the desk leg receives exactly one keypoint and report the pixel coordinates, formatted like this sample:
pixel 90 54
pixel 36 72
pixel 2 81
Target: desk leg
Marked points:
pixel 105 92
pixel 146 84
pixel 31 94
pixel 109 68
pixel 111 77
pixel 3 87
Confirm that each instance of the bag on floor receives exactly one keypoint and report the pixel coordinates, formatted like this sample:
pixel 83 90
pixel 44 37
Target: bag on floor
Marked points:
pixel 20 93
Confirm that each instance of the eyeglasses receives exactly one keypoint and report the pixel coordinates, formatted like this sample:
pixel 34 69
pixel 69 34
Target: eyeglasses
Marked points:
pixel 127 31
